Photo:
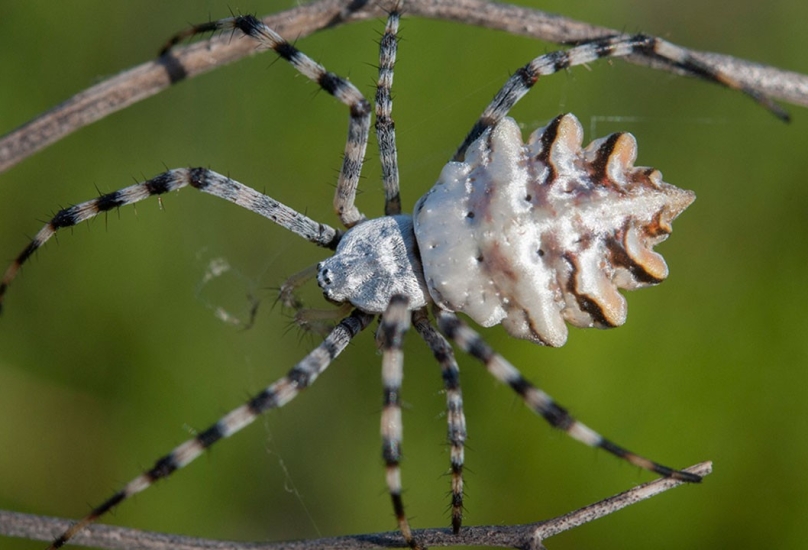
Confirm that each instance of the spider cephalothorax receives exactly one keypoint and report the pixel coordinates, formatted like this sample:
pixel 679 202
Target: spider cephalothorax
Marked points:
pixel 531 235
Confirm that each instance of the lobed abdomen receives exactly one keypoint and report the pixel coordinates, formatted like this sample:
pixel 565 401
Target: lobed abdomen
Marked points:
pixel 539 234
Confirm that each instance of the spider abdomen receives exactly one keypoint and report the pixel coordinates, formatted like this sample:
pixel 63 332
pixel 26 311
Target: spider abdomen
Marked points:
pixel 535 235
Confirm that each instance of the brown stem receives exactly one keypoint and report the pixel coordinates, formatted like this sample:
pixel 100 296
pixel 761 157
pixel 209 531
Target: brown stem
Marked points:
pixel 150 78
pixel 529 536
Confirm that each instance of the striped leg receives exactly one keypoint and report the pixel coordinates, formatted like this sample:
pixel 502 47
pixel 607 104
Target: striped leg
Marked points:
pixel 274 396
pixel 385 127
pixel 613 46
pixel 335 85
pixel 395 322
pixel 541 403
pixel 455 418
pixel 202 179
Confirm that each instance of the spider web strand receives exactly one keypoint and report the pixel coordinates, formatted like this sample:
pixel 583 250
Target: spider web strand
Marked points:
pixel 274 396
pixel 522 81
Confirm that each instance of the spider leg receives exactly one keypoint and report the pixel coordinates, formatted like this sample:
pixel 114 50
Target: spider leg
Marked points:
pixel 335 85
pixel 455 418
pixel 385 127
pixel 201 28
pixel 202 179
pixel 320 321
pixel 395 322
pixel 274 396
pixel 541 403
pixel 612 46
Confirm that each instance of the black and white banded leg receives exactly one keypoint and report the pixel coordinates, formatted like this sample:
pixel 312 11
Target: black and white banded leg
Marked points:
pixel 523 79
pixel 274 396
pixel 385 127
pixel 335 85
pixel 202 179
pixel 455 418
pixel 539 402
pixel 394 324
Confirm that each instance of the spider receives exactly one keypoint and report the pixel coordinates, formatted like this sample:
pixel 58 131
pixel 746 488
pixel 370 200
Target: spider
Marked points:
pixel 531 235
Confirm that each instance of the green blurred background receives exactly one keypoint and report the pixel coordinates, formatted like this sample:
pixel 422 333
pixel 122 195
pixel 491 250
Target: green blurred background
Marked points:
pixel 110 353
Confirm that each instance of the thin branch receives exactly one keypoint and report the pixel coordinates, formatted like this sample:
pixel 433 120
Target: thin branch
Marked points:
pixel 150 78
pixel 528 537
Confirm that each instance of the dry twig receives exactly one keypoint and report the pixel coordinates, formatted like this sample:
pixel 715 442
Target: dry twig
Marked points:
pixel 150 78
pixel 528 537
